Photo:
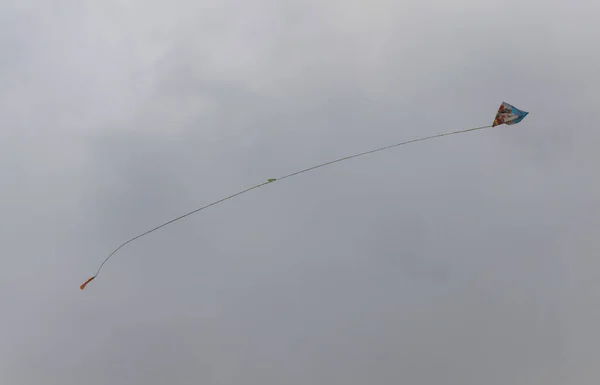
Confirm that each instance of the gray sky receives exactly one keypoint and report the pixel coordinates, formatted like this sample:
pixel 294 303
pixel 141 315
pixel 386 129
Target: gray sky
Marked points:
pixel 467 260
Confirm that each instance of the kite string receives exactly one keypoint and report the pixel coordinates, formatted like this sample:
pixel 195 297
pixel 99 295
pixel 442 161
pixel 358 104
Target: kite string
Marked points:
pixel 176 219
pixel 381 149
pixel 273 180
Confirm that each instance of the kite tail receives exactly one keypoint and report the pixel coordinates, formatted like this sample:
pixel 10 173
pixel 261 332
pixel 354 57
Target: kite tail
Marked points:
pixel 86 282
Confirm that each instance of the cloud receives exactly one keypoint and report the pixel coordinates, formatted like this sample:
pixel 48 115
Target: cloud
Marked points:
pixel 466 260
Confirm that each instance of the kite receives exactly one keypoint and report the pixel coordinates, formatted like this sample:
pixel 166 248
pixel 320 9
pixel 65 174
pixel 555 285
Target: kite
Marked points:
pixel 507 114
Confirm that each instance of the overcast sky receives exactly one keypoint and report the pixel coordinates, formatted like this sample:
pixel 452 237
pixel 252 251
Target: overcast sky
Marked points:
pixel 467 260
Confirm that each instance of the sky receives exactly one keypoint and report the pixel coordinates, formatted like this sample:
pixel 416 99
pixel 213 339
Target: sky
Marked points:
pixel 463 260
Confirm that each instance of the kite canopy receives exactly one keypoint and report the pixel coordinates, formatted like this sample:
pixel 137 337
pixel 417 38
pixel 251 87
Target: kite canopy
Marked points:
pixel 508 114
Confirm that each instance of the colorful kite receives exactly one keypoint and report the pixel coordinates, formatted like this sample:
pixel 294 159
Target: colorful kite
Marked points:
pixel 507 114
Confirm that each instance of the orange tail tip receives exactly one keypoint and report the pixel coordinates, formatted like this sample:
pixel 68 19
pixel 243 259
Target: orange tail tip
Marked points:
pixel 86 282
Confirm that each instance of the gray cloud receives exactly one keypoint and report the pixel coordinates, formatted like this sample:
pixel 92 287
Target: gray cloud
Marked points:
pixel 464 260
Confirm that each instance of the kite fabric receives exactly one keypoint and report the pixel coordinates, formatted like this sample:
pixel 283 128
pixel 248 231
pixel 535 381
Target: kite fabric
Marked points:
pixel 507 114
